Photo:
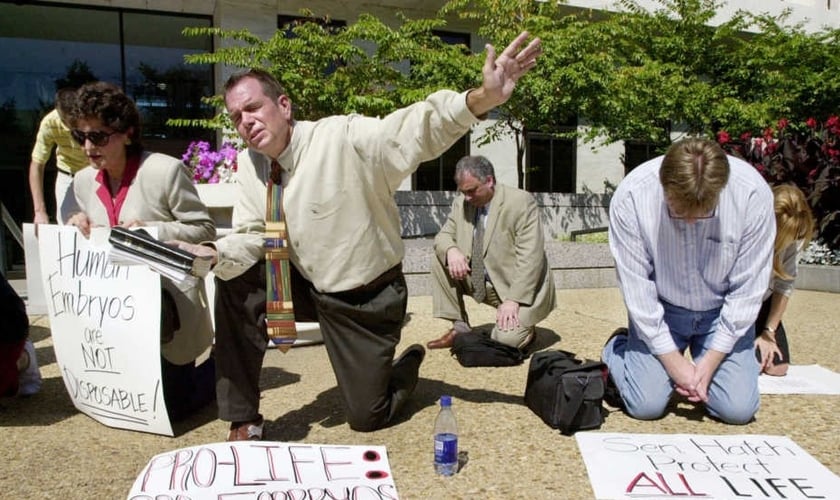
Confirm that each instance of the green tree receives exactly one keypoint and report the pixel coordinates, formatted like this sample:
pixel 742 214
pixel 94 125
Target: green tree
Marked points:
pixel 650 73
pixel 653 70
pixel 540 102
pixel 77 74
pixel 632 75
pixel 360 68
pixel 781 71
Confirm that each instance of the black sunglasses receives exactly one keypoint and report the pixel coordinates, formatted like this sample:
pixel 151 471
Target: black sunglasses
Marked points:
pixel 96 137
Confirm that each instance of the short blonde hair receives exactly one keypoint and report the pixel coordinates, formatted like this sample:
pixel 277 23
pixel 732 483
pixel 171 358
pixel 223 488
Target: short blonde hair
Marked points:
pixel 693 173
pixel 794 221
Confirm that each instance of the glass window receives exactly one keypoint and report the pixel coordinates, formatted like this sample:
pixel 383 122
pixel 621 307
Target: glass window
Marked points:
pixel 287 22
pixel 550 164
pixel 47 47
pixel 161 83
pixel 636 153
pixel 439 174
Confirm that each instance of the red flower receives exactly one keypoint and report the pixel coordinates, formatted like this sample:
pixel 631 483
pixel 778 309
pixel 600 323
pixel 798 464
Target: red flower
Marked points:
pixel 746 136
pixel 723 137
pixel 782 124
pixel 811 123
pixel 768 133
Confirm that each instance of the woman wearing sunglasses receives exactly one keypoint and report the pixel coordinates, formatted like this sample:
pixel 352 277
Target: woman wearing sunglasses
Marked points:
pixel 127 186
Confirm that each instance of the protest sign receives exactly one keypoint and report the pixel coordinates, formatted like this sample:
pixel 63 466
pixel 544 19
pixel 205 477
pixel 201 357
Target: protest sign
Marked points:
pixel 697 466
pixel 801 379
pixel 105 324
pixel 35 302
pixel 252 470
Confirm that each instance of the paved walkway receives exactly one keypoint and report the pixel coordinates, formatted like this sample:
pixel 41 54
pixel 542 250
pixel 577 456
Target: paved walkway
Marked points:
pixel 53 451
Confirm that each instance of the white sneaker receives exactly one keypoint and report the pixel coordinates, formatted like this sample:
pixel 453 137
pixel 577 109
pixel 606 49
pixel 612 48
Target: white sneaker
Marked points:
pixel 29 380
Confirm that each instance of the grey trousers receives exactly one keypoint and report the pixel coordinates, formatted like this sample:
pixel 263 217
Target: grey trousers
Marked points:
pixel 448 303
pixel 361 329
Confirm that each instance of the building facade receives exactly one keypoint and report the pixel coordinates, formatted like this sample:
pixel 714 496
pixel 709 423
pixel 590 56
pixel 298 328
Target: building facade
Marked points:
pixel 138 44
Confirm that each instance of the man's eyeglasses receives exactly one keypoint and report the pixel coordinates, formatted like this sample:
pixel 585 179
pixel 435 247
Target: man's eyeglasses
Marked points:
pixel 96 137
pixel 708 215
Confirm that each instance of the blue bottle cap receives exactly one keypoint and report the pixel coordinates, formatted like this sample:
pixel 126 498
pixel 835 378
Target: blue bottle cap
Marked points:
pixel 446 400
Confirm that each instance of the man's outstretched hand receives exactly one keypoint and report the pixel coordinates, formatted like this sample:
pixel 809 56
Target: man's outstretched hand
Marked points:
pixel 501 73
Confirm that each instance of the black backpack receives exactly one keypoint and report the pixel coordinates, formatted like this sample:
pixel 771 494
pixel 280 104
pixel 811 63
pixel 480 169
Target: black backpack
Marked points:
pixel 476 349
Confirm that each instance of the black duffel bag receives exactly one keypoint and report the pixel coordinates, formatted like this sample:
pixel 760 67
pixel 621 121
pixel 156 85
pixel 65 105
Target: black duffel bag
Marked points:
pixel 477 349
pixel 565 392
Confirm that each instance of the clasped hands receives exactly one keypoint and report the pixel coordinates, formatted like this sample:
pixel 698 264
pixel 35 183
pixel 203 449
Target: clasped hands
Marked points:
pixel 692 380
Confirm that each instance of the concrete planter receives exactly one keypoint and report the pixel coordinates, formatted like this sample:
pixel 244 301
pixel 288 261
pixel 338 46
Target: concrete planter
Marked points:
pixel 219 199
pixel 818 278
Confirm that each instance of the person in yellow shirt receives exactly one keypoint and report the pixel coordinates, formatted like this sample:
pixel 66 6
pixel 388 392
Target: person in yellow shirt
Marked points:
pixel 69 156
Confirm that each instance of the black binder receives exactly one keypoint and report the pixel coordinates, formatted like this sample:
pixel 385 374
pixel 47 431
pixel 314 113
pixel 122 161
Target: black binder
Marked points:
pixel 139 245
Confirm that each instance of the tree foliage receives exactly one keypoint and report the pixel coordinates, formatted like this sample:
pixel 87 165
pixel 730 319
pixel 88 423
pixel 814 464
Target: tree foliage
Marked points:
pixel 365 67
pixel 632 75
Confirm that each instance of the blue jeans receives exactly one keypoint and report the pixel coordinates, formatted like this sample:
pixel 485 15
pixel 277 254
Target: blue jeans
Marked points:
pixel 646 387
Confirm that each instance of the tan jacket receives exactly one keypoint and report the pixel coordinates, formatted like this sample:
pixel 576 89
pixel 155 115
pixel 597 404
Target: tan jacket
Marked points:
pixel 340 176
pixel 162 195
pixel 514 249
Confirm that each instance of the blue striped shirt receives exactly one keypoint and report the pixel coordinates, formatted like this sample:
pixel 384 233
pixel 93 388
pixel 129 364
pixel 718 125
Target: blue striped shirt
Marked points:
pixel 724 261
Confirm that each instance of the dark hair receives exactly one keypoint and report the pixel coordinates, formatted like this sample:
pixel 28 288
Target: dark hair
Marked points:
pixel 478 166
pixel 65 99
pixel 109 104
pixel 270 86
pixel 693 173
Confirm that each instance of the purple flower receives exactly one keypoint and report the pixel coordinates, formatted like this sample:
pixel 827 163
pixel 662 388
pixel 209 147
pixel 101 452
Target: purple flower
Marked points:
pixel 209 166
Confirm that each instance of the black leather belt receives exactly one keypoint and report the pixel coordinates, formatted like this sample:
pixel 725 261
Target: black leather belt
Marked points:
pixel 378 282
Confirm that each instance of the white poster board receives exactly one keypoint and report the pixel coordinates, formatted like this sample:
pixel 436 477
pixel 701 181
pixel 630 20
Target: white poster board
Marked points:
pixel 697 466
pixel 269 470
pixel 35 301
pixel 105 325
pixel 801 379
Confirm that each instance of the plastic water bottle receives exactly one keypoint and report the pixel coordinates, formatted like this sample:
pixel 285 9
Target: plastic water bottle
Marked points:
pixel 446 439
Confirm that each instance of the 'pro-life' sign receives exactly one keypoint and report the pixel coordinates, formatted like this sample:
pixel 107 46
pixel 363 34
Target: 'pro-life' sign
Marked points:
pixel 264 470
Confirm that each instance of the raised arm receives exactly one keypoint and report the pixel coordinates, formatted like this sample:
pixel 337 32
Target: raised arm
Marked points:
pixel 501 73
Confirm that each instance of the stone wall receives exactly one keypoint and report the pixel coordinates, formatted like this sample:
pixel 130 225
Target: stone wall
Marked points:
pixel 424 212
pixel 575 265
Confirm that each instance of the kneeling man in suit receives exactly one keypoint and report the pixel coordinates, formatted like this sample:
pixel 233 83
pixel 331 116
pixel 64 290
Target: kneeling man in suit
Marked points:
pixel 492 248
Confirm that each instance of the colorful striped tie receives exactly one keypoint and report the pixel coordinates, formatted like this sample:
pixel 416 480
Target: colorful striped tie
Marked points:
pixel 279 313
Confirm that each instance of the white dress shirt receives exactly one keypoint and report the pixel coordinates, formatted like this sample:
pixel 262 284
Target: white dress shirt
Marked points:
pixel 723 261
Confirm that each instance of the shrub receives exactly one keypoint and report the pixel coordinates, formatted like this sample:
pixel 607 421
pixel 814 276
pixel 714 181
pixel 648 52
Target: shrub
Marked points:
pixel 806 154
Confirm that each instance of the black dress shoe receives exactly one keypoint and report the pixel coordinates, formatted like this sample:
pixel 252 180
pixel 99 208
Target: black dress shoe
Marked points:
pixel 444 342
pixel 412 351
